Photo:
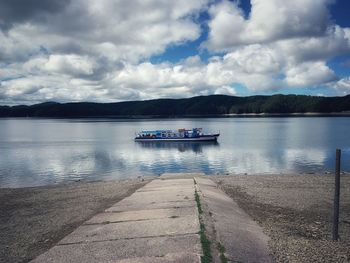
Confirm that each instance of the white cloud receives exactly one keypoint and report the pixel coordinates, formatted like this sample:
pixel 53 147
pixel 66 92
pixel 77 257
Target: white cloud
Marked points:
pixel 268 21
pixel 125 30
pixel 34 88
pixel 225 26
pixel 254 59
pixel 309 74
pixel 70 64
pixel 100 50
pixel 256 70
pixel 225 90
pixel 334 42
pixel 343 85
pixel 280 43
pixel 254 66
pixel 79 51
pixel 161 80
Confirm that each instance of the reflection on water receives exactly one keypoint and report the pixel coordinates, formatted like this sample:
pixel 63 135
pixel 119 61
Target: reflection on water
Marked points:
pixel 47 151
pixel 196 147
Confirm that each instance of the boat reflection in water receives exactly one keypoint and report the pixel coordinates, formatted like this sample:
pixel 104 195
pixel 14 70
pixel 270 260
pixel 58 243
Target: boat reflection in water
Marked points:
pixel 196 147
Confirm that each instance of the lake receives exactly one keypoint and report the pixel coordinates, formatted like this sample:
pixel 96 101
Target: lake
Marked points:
pixel 50 151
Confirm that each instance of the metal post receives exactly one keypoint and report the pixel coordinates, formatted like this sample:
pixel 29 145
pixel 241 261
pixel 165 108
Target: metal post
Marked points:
pixel 336 196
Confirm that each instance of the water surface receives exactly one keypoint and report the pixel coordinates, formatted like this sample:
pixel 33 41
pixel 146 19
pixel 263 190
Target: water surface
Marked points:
pixel 49 151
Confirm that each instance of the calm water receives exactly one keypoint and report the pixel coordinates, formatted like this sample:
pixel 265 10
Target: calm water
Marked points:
pixel 49 151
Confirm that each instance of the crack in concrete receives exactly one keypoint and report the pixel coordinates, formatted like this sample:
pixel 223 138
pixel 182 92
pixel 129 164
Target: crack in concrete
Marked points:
pixel 171 207
pixel 207 220
pixel 127 238
pixel 135 220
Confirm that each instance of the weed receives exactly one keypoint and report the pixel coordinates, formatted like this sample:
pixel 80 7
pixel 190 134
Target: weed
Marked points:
pixel 207 257
pixel 199 206
pixel 222 250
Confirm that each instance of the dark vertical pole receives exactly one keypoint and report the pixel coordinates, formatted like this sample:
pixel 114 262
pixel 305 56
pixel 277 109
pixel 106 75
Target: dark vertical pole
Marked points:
pixel 336 196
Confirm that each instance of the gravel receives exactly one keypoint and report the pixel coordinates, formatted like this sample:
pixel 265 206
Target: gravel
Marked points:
pixel 34 219
pixel 296 212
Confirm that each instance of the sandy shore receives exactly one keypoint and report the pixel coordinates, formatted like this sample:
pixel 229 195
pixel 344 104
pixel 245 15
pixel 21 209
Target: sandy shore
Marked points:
pixel 33 219
pixel 296 212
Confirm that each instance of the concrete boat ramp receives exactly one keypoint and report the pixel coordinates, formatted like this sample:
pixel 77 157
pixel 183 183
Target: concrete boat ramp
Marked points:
pixel 160 222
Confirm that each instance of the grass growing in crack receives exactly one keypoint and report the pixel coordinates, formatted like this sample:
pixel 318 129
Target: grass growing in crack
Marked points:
pixel 198 201
pixel 207 257
pixel 222 250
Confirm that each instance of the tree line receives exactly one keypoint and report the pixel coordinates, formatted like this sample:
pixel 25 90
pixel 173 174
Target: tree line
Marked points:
pixel 196 106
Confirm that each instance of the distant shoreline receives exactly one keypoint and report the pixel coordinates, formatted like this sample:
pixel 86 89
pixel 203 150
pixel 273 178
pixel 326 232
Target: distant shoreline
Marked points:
pixel 229 115
pixel 196 107
pixel 296 114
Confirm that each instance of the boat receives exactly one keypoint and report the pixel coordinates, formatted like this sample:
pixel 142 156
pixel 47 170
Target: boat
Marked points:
pixel 195 134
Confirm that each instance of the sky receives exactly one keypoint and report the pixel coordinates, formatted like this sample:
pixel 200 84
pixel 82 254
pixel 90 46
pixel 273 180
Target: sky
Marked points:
pixel 119 50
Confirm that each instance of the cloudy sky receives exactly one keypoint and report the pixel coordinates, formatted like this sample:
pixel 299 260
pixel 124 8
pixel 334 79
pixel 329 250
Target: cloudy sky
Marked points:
pixel 116 50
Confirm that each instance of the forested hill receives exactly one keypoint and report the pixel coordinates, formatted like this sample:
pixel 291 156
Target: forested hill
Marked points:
pixel 202 105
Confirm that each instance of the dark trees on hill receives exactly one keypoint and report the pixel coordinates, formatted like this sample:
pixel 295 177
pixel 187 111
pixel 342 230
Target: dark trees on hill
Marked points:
pixel 202 105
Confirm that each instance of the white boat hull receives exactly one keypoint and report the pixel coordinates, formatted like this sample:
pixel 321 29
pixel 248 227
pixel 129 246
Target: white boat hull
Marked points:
pixel 196 139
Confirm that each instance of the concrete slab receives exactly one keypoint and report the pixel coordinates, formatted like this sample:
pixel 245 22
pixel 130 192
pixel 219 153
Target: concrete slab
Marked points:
pixel 180 175
pixel 169 183
pixel 153 205
pixel 176 181
pixel 169 258
pixel 130 249
pixel 134 229
pixel 167 186
pixel 156 196
pixel 168 189
pixel 111 217
pixel 158 223
pixel 242 237
pixel 159 194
